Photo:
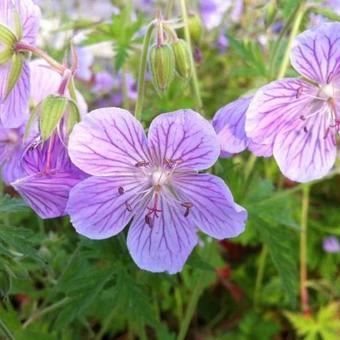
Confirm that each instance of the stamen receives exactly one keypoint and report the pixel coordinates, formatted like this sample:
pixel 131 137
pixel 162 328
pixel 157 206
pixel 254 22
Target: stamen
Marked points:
pixel 172 162
pixel 141 164
pixel 187 206
pixel 128 206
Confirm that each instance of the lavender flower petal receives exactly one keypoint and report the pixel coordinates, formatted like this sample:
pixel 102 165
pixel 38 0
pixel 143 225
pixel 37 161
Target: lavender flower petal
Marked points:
pixel 229 124
pixel 47 194
pixel 106 210
pixel 276 105
pixel 164 246
pixel 305 150
pixel 331 244
pixel 184 136
pixel 213 208
pixel 14 108
pixel 315 53
pixel 108 142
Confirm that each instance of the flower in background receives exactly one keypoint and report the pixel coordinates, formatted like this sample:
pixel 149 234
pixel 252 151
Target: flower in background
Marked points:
pixel 213 11
pixel 46 173
pixel 331 244
pixel 222 43
pixel 153 180
pixel 299 120
pixel 318 19
pixel 11 147
pixel 103 82
pixel 14 96
pixel 229 124
pixel 85 62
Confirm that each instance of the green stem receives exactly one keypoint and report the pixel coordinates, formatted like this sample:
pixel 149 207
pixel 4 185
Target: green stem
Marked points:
pixel 48 309
pixel 72 89
pixel 260 274
pixel 303 251
pixel 142 71
pixel 196 294
pixel 6 331
pixel 23 47
pixel 294 32
pixel 249 166
pixel 126 103
pixel 195 85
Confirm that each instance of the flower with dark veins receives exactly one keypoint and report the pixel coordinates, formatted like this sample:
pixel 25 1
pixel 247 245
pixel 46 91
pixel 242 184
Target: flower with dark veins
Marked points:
pixel 44 171
pixel 14 103
pixel 299 119
pixel 153 180
pixel 229 124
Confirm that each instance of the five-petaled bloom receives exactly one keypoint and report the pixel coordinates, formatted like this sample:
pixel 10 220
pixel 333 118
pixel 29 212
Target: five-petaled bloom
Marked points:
pixel 299 119
pixel 22 18
pixel 153 180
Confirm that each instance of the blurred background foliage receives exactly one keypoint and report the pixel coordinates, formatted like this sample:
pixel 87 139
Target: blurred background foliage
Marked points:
pixel 55 284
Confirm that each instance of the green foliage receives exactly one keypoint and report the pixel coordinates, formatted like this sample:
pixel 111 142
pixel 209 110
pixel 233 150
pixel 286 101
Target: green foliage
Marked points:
pixel 326 324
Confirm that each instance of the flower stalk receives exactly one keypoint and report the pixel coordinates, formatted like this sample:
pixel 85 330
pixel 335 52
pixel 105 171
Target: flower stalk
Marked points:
pixel 294 32
pixel 142 71
pixel 303 251
pixel 195 84
pixel 23 47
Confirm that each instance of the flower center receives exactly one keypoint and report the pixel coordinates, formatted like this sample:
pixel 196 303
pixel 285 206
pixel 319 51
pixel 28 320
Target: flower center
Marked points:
pixel 159 177
pixel 328 91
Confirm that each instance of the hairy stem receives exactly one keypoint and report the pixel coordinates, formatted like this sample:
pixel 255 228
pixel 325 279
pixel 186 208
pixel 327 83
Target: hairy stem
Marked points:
pixel 293 33
pixel 303 251
pixel 195 84
pixel 23 47
pixel 142 71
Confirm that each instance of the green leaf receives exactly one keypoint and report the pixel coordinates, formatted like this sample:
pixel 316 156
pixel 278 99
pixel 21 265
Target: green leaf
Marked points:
pixel 52 110
pixel 304 325
pixel 73 115
pixel 17 25
pixel 7 36
pixel 15 72
pixel 5 55
pixel 10 204
pixel 326 12
pixel 280 246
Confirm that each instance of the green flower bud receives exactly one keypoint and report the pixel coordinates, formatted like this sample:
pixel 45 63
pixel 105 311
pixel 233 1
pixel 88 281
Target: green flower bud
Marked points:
pixel 182 59
pixel 195 28
pixel 162 65
pixel 270 14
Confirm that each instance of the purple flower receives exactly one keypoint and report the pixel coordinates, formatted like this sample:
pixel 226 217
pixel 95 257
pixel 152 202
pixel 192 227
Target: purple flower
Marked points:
pixel 14 106
pixel 48 178
pixel 103 82
pixel 229 124
pixel 153 180
pixel 85 62
pixel 11 145
pixel 222 43
pixel 331 244
pixel 212 12
pixel 44 171
pixel 299 119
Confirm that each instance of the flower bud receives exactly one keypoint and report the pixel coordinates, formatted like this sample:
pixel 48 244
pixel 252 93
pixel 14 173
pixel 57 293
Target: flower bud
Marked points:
pixel 162 65
pixel 195 28
pixel 183 64
pixel 270 14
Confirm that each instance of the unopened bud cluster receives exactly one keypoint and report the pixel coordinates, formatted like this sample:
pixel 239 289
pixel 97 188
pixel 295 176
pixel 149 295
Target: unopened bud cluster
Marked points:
pixel 169 57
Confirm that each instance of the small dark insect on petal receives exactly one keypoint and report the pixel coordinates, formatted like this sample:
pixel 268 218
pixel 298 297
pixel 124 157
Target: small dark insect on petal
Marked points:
pixel 299 92
pixel 305 129
pixel 121 190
